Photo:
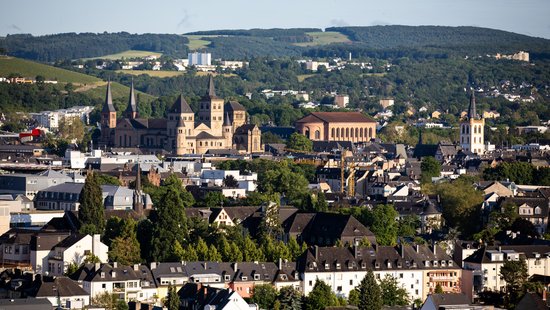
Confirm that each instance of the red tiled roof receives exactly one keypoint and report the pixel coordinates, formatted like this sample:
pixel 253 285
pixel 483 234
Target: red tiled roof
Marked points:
pixel 337 117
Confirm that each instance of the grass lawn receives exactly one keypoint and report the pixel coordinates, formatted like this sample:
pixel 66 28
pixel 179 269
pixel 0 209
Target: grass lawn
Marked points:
pixel 202 73
pixel 302 77
pixel 126 54
pixel 197 42
pixel 323 38
pixel 153 73
pixel 117 90
pixel 31 69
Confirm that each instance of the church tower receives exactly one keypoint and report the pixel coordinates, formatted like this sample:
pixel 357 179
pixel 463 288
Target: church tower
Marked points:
pixel 228 132
pixel 180 137
pixel 108 117
pixel 180 110
pixel 131 110
pixel 472 129
pixel 211 110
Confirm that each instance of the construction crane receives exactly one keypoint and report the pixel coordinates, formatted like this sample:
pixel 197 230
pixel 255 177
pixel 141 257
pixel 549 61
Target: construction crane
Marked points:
pixel 351 177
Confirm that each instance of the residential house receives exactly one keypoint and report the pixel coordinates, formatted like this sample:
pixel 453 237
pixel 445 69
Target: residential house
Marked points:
pixel 61 292
pixel 532 209
pixel 127 282
pixel 487 262
pixel 450 301
pixel 327 229
pixel 30 184
pixel 169 274
pixel 198 296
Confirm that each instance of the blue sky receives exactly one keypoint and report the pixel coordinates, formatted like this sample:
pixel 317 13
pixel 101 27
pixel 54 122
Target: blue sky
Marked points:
pixel 172 16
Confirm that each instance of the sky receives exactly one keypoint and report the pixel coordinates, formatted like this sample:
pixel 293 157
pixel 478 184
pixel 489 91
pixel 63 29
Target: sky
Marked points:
pixel 530 17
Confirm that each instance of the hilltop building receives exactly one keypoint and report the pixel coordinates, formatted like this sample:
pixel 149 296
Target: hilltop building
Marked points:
pixel 218 125
pixel 337 126
pixel 472 130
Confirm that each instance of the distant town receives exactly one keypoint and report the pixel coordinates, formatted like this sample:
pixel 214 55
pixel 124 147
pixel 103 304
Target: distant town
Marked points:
pixel 202 200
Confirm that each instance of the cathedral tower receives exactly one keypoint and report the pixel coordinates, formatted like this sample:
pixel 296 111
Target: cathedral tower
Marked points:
pixel 211 110
pixel 180 110
pixel 472 129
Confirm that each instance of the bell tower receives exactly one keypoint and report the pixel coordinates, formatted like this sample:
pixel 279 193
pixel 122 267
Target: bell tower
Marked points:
pixel 472 129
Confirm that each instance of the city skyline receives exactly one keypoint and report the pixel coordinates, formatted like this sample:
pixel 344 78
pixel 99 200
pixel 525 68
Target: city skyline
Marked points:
pixel 525 17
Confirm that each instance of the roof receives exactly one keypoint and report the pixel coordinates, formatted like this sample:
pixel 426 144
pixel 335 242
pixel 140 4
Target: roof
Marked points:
pixel 45 241
pixel 531 301
pixel 180 106
pixel 483 255
pixel 211 91
pixel 449 299
pixel 244 129
pixel 472 113
pixel 59 286
pixel 108 105
pixel 132 106
pixel 25 304
pixel 336 117
pixel 205 135
pixel 234 106
pixel 70 241
pixel 113 272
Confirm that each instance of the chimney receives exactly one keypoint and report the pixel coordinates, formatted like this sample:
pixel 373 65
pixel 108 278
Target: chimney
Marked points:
pixel 499 248
pixel 115 265
pixel 153 265
pixel 136 267
pixel 417 248
pixel 97 266
pixel 280 263
pixel 402 248
pixel 235 267
pixel 96 244
pixel 316 252
pixel 355 250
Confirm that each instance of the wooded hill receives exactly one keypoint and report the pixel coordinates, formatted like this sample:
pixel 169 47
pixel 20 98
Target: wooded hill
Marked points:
pixel 419 42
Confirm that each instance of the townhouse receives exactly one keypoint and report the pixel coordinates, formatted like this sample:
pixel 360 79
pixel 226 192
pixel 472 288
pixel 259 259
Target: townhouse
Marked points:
pixel 418 269
pixel 486 263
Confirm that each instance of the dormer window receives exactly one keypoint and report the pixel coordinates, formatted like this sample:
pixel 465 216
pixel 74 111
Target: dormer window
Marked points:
pixel 338 266
pixel 327 266
pixel 227 277
pixel 244 278
pixel 102 275
pixel 399 265
pixel 435 263
pixel 427 263
pixel 256 276
pixel 377 265
pixel 443 264
pixel 450 263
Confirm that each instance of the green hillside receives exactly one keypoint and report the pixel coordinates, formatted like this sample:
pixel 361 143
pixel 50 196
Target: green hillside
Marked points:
pixel 30 69
pixel 119 92
pixel 126 54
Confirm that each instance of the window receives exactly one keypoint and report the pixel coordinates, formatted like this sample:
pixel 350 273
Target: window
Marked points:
pixel 339 288
pixel 310 283
pixel 351 282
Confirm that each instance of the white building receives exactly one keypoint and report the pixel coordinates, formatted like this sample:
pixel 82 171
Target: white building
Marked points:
pixel 53 253
pixel 314 65
pixel 216 178
pixel 199 59
pixel 489 260
pixel 341 101
pixel 128 282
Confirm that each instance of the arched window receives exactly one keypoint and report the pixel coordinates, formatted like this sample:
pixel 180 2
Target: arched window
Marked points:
pixel 370 133
pixel 361 132
pixel 306 133
pixel 347 132
pixel 317 135
pixel 357 132
pixel 351 133
pixel 332 133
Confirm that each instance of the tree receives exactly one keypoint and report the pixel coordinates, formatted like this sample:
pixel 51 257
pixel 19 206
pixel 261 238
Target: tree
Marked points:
pixel 353 297
pixel 170 226
pixel 299 142
pixel 172 300
pixel 289 298
pixel 320 297
pixel 230 181
pixel 384 226
pixel 125 247
pixel 213 199
pixel 370 295
pixel 460 202
pixel 109 301
pixel 91 211
pixel 105 179
pixel 264 295
pixel 71 129
pixel 516 274
pixel 392 293
pixel 438 289
pixel 430 167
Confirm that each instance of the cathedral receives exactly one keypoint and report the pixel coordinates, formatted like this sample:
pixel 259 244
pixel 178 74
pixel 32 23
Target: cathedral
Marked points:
pixel 472 130
pixel 218 125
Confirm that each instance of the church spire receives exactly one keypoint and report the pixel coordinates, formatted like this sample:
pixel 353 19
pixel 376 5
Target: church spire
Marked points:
pixel 472 113
pixel 108 105
pixel 211 90
pixel 227 120
pixel 131 110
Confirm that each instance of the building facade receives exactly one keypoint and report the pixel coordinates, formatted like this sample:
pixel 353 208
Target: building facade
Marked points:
pixel 217 125
pixel 337 126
